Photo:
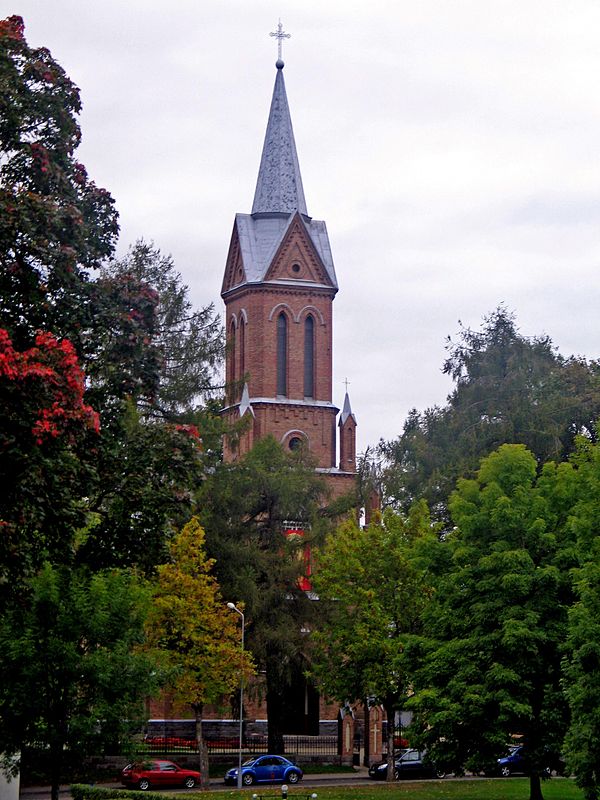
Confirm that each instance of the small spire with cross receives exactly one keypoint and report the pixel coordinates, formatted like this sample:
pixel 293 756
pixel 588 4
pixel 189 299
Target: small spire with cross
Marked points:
pixel 280 36
pixel 347 383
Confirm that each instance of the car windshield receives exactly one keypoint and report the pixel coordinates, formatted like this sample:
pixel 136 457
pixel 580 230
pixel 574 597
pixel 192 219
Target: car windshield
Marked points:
pixel 249 762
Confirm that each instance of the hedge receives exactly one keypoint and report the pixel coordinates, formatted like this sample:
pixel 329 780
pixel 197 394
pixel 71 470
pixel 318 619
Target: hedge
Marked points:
pixel 81 791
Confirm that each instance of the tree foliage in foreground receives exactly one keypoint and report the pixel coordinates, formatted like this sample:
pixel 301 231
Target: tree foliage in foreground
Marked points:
pixel 498 620
pixel 581 662
pixel 509 388
pixel 72 676
pixel 372 592
pixel 189 343
pixel 192 626
pixel 94 478
pixel 55 224
pixel 243 507
pixel 45 427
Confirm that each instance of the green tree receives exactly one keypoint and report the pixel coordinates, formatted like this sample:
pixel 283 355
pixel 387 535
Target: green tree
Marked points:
pixel 72 675
pixel 243 507
pixel 191 624
pixel 497 621
pixel 582 682
pixel 508 389
pixel 46 428
pixel 372 591
pixel 189 343
pixel 156 361
pixel 55 224
pixel 581 663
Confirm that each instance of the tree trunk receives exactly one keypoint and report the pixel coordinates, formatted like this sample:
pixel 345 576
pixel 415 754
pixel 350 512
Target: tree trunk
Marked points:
pixel 367 734
pixel 56 757
pixel 535 787
pixel 275 744
pixel 202 749
pixel 389 712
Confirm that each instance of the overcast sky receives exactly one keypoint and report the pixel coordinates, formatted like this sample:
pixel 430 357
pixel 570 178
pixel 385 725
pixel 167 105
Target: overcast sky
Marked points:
pixel 451 146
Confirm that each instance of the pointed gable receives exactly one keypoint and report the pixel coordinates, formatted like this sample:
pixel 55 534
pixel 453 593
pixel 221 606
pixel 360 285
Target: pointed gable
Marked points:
pixel 258 242
pixel 235 274
pixel 296 258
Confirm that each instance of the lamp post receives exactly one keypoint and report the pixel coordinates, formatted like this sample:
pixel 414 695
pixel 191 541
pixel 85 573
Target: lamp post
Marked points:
pixel 233 607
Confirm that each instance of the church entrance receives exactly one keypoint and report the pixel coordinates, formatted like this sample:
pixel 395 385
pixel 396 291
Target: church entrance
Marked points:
pixel 301 706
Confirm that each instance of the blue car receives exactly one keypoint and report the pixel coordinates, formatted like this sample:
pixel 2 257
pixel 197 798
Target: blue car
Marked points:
pixel 516 762
pixel 265 769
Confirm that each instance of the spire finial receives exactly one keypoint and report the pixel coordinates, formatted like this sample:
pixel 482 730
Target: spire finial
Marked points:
pixel 347 382
pixel 280 35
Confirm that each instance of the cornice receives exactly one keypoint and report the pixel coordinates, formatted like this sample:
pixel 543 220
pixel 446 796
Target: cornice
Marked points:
pixel 279 287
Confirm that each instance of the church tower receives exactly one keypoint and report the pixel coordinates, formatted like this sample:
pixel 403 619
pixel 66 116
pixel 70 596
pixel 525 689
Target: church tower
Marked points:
pixel 278 288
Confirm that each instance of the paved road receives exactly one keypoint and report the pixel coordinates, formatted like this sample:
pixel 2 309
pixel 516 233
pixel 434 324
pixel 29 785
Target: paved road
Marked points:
pixel 309 782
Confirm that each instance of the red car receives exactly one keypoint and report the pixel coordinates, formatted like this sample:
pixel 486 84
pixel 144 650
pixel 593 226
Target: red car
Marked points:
pixel 158 773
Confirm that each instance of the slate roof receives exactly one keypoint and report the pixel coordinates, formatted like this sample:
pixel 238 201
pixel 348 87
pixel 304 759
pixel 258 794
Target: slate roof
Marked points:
pixel 279 185
pixel 260 238
pixel 346 411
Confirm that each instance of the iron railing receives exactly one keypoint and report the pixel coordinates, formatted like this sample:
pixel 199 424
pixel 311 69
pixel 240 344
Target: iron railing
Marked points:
pixel 253 744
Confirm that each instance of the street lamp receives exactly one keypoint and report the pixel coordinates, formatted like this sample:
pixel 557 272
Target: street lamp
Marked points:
pixel 233 607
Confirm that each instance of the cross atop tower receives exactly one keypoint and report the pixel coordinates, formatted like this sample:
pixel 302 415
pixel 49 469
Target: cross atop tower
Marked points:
pixel 280 35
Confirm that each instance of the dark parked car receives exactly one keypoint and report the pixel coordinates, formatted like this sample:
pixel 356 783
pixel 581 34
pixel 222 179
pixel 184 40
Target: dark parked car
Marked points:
pixel 516 762
pixel 154 774
pixel 410 763
pixel 266 769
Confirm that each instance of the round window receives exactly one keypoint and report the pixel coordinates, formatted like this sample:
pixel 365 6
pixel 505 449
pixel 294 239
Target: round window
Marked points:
pixel 296 268
pixel 295 442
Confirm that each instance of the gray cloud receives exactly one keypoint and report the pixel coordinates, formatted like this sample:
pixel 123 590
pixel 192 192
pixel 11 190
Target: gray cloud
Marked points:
pixel 451 148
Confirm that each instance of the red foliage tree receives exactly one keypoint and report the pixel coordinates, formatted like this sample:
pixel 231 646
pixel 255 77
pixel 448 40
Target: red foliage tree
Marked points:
pixel 55 224
pixel 45 426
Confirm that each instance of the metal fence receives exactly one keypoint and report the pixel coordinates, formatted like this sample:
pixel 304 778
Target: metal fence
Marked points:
pixel 253 744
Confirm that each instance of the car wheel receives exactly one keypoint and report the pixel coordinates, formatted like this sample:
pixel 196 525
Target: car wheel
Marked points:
pixel 439 773
pixel 247 779
pixel 505 772
pixel 189 783
pixel 293 777
pixel 144 784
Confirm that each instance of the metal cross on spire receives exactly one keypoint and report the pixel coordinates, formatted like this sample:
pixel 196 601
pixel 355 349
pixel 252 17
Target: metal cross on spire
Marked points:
pixel 280 35
pixel 347 382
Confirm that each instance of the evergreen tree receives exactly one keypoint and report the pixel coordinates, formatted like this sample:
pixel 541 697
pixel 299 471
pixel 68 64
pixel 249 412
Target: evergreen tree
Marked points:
pixel 243 507
pixel 189 344
pixel 508 389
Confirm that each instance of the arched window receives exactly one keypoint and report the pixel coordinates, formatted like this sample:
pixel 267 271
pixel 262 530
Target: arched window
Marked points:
pixel 242 348
pixel 282 354
pixel 309 357
pixel 231 376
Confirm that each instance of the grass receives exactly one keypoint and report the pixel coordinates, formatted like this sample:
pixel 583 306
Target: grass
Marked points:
pixel 477 789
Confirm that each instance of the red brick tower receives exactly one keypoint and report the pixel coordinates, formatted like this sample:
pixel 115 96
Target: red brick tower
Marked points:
pixel 278 290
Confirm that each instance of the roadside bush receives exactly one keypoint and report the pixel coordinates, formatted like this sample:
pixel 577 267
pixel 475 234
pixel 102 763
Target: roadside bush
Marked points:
pixel 80 791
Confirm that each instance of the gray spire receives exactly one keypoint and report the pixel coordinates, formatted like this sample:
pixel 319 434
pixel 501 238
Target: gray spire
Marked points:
pixel 279 185
pixel 346 411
